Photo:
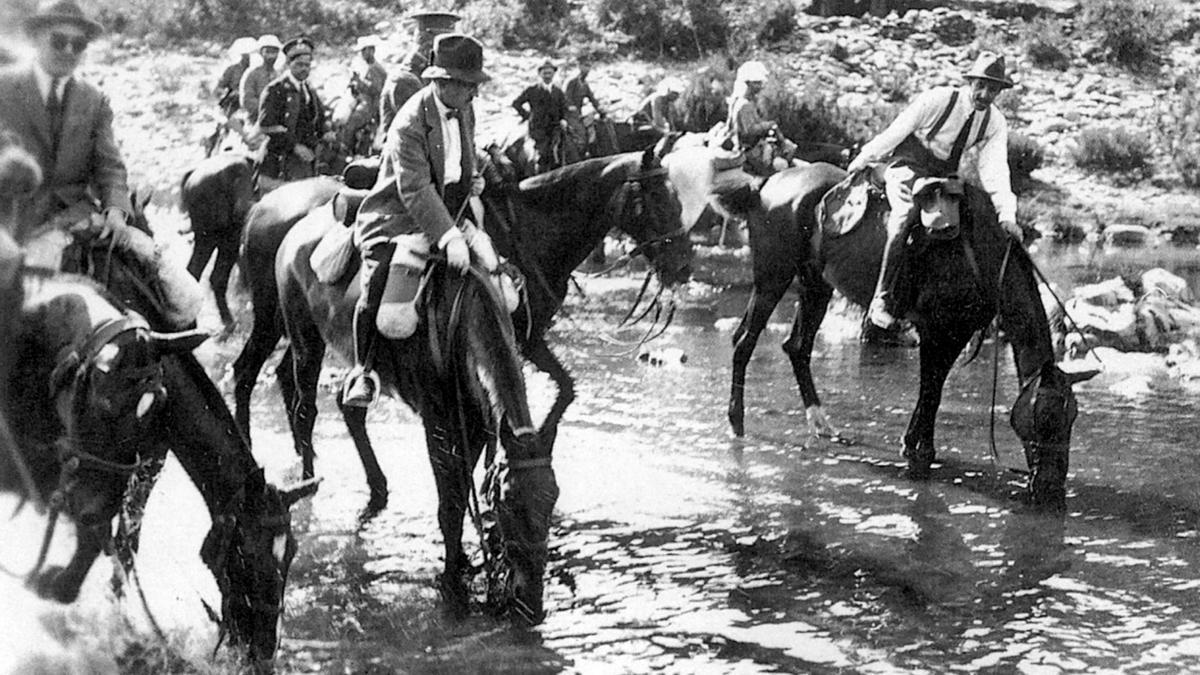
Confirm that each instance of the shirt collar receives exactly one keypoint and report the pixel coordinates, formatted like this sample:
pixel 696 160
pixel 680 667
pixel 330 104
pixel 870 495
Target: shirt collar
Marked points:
pixel 44 79
pixel 442 108
pixel 299 84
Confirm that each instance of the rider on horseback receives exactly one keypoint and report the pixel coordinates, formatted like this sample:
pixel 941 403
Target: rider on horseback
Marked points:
pixel 544 107
pixel 367 78
pixel 928 139
pixel 293 118
pixel 759 138
pixel 428 175
pixel 67 125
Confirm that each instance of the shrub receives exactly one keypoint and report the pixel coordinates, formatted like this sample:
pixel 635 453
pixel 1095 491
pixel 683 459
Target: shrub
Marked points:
pixel 660 28
pixel 324 20
pixel 1133 33
pixel 1044 39
pixel 812 116
pixel 1179 128
pixel 705 101
pixel 1112 150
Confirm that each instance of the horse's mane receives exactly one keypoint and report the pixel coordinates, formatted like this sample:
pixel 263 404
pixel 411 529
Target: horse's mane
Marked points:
pixel 561 185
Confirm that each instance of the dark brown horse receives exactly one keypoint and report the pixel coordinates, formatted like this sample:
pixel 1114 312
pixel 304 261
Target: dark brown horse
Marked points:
pixel 250 546
pixel 462 374
pixel 217 194
pixel 955 287
pixel 548 224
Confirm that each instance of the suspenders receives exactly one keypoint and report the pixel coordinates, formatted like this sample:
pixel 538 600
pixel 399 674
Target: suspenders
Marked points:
pixel 941 120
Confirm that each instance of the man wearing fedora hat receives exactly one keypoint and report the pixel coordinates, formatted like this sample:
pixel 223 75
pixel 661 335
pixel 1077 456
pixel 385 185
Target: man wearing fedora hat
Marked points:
pixel 544 106
pixel 427 178
pixel 67 124
pixel 928 138
pixel 367 78
pixel 293 118
pixel 257 78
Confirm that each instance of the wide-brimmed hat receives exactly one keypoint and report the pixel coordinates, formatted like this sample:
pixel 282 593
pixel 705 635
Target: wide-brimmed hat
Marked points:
pixel 243 46
pixel 366 41
pixel 989 66
pixel 457 57
pixel 54 12
pixel 297 46
pixel 752 71
pixel 269 41
pixel 547 64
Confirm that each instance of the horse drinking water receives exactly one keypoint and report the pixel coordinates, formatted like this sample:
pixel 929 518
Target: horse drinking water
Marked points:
pixel 954 288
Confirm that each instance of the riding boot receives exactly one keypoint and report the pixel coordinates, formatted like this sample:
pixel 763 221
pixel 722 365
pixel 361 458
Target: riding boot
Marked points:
pixel 362 384
pixel 881 311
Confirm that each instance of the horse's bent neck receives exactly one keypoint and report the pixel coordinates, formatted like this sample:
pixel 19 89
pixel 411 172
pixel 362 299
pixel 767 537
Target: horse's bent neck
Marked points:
pixel 1022 316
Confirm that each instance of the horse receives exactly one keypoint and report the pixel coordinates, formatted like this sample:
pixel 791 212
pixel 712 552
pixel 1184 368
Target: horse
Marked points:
pixel 217 194
pixel 250 547
pixel 953 288
pixel 546 230
pixel 462 374
pixel 548 224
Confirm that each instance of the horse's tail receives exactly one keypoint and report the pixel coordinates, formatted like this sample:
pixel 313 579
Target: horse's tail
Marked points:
pixel 491 368
pixel 737 194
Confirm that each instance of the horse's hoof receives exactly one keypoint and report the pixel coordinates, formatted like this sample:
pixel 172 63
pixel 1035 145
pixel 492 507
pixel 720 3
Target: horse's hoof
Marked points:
pixel 455 597
pixel 917 472
pixel 48 585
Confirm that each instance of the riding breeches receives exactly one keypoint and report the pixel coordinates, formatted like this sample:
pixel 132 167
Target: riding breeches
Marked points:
pixel 898 181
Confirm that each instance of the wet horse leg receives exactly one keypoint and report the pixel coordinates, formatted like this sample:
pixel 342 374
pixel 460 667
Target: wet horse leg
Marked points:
pixel 307 351
pixel 938 352
pixel 264 335
pixel 356 422
pixel 766 294
pixel 450 474
pixel 94 502
pixel 543 358
pixel 814 300
pixel 218 279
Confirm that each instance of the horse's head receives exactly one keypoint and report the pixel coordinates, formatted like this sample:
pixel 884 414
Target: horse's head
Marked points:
pixel 1042 417
pixel 650 213
pixel 523 491
pixel 250 550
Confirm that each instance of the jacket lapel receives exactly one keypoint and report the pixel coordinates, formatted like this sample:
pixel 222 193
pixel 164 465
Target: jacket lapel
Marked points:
pixel 36 110
pixel 434 140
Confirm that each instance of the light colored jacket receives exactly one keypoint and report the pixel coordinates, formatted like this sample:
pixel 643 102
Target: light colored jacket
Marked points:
pixel 407 197
pixel 254 82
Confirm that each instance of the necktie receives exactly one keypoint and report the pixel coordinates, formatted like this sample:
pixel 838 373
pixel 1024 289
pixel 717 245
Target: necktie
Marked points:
pixel 54 111
pixel 960 142
pixel 305 93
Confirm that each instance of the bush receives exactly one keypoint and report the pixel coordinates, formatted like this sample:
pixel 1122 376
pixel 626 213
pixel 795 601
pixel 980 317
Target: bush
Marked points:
pixel 1133 33
pixel 1044 39
pixel 660 28
pixel 811 117
pixel 706 99
pixel 1179 128
pixel 1113 150
pixel 323 20
pixel 1025 156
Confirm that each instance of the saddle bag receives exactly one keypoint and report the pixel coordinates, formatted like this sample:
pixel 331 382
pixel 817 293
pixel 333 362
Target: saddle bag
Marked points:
pixel 332 254
pixel 846 204
pixel 939 200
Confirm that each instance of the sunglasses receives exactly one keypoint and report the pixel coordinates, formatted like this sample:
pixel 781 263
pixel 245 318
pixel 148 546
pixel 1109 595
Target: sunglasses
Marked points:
pixel 77 43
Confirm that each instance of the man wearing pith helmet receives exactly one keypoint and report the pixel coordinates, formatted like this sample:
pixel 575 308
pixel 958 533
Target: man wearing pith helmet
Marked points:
pixel 427 178
pixel 67 125
pixel 928 138
pixel 255 80
pixel 293 117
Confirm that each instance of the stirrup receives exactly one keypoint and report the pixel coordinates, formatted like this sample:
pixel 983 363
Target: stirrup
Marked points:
pixel 879 315
pixel 360 388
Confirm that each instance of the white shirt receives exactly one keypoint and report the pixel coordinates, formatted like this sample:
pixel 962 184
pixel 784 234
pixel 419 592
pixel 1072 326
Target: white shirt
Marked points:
pixel 452 141
pixel 920 116
pixel 44 80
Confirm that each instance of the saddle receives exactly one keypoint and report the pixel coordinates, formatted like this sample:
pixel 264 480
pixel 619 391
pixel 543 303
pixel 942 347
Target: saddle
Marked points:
pixel 846 205
pixel 331 257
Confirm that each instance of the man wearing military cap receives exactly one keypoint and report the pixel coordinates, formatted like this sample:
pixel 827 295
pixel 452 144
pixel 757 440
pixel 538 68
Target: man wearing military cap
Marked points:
pixel 292 117
pixel 427 178
pixel 544 106
pixel 928 138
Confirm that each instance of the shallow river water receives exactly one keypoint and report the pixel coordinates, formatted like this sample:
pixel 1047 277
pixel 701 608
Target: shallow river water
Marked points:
pixel 679 548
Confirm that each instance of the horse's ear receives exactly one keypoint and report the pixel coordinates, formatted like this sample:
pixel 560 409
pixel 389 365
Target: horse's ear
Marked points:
pixel 1077 376
pixel 649 159
pixel 146 199
pixel 294 493
pixel 178 343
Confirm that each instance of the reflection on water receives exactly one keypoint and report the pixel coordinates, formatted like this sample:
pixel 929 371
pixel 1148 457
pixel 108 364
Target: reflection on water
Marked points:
pixel 679 548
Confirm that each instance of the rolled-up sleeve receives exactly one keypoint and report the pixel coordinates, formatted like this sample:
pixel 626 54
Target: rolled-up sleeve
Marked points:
pixel 993 169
